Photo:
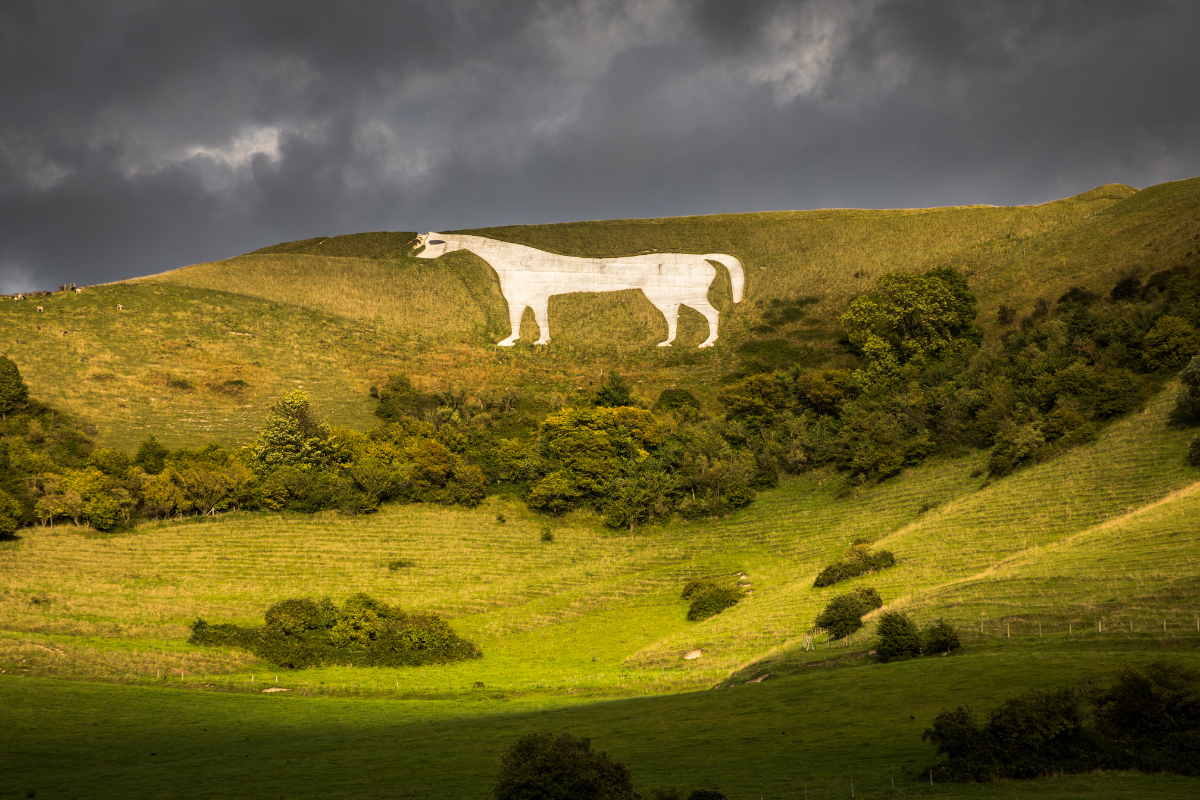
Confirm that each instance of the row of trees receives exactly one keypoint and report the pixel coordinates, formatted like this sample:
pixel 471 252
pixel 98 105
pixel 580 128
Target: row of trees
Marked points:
pixel 1148 719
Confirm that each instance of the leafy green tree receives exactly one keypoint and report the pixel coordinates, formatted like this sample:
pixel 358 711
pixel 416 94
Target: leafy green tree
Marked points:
pixel 542 766
pixel 292 437
pixel 910 318
pixel 13 391
pixel 10 514
pixel 1187 402
pixel 1014 447
pixel 1170 343
pixel 151 456
pixel 898 636
pixel 939 636
pixel 843 614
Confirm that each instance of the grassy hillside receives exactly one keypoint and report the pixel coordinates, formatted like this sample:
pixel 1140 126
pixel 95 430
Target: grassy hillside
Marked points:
pixel 1059 572
pixel 337 315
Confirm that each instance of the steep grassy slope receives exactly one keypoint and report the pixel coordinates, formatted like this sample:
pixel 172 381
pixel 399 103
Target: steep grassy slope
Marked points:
pixel 598 612
pixel 337 315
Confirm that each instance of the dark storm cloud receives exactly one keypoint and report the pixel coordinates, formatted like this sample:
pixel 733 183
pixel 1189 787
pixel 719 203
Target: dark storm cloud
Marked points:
pixel 139 136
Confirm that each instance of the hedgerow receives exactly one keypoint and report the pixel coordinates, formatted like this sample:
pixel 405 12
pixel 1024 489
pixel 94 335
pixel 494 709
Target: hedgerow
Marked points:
pixel 363 632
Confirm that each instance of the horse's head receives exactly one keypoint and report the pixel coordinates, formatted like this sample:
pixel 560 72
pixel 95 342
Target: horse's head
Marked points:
pixel 434 245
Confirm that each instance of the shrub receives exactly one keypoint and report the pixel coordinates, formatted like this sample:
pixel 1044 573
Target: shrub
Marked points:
pixel 712 600
pixel 400 563
pixel 1040 733
pixel 859 559
pixel 299 615
pixel 13 391
pixel 362 632
pixel 1170 343
pixel 1028 736
pixel 969 750
pixel 1149 719
pixel 939 636
pixel 549 767
pixel 898 637
pixel 10 514
pixel 1014 447
pixel 671 399
pixel 843 614
pixel 1193 455
pixel 151 456
pixel 1187 402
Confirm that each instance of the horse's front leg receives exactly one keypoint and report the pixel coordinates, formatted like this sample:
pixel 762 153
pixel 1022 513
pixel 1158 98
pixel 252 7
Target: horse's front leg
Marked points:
pixel 516 310
pixel 671 312
pixel 541 314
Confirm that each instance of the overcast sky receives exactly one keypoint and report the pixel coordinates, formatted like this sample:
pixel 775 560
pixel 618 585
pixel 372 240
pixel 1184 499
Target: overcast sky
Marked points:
pixel 138 136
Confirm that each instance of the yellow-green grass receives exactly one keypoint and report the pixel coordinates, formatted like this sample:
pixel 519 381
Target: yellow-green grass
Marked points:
pixel 807 735
pixel 598 611
pixel 339 324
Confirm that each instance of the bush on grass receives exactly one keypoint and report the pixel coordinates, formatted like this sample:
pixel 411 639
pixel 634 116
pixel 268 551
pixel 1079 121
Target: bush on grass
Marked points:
pixel 363 631
pixel 1148 719
pixel 939 636
pixel 709 599
pixel 898 637
pixel 543 766
pixel 859 559
pixel 843 614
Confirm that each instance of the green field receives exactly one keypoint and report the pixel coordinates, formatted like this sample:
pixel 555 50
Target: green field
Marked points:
pixel 1058 573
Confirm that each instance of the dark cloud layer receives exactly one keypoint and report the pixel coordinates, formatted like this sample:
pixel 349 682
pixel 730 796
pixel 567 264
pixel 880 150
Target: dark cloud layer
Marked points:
pixel 138 136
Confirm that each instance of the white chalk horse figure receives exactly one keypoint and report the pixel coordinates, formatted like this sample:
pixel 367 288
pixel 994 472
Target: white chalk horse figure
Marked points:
pixel 528 277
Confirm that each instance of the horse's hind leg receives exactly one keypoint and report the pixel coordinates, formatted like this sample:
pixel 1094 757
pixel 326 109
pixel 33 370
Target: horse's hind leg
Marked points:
pixel 710 314
pixel 541 314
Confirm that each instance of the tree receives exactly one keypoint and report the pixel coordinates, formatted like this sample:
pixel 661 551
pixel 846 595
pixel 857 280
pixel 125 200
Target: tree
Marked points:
pixel 542 766
pixel 910 318
pixel 13 391
pixel 1187 402
pixel 615 392
pixel 898 636
pixel 10 514
pixel 151 456
pixel 939 636
pixel 842 616
pixel 1170 343
pixel 292 437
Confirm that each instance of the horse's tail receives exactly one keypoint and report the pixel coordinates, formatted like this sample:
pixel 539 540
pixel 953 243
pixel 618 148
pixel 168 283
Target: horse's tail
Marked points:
pixel 735 272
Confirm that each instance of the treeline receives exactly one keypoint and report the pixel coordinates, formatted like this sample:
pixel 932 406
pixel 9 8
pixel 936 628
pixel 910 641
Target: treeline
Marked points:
pixel 928 383
pixel 51 472
pixel 1148 720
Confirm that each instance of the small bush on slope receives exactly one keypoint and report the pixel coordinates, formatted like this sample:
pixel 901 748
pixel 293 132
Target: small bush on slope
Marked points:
pixel 843 614
pixel 859 559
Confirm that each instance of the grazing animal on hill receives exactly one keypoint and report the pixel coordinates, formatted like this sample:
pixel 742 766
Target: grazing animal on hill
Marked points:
pixel 39 308
pixel 529 277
